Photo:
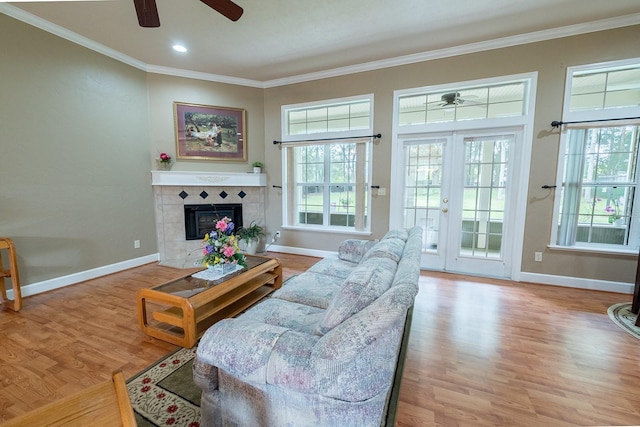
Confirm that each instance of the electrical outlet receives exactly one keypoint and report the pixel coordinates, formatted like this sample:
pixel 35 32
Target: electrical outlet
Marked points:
pixel 276 236
pixel 537 256
pixel 136 244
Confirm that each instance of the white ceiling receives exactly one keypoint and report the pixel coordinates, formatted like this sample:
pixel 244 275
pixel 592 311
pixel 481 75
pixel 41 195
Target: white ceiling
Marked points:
pixel 278 40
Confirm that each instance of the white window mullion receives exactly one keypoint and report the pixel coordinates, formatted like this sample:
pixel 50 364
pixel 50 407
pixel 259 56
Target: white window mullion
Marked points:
pixel 361 184
pixel 326 217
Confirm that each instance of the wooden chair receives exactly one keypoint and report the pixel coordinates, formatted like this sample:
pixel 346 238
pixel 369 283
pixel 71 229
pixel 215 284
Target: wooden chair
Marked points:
pixel 106 404
pixel 12 273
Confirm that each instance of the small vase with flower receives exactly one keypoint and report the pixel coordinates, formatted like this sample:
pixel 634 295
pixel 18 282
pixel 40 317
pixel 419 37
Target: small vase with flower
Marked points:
pixel 165 161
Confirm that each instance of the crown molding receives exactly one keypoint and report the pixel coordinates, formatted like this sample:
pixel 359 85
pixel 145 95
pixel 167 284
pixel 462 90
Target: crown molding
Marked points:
pixel 536 36
pixel 178 72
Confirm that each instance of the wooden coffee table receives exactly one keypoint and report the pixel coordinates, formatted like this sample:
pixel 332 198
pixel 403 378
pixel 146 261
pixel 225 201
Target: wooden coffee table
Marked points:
pixel 181 311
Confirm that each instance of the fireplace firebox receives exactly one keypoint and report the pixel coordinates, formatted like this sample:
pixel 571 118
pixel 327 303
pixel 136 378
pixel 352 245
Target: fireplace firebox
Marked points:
pixel 200 219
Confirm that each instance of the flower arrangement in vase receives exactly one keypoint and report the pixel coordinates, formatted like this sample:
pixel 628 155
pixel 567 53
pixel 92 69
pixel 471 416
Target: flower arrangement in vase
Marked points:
pixel 220 247
pixel 165 161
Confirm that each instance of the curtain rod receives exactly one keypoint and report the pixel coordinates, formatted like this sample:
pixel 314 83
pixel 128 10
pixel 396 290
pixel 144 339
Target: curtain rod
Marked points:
pixel 378 135
pixel 557 123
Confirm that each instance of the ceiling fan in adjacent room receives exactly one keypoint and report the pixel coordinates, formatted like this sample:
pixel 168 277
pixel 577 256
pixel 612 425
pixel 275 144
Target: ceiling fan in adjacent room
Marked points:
pixel 451 99
pixel 148 17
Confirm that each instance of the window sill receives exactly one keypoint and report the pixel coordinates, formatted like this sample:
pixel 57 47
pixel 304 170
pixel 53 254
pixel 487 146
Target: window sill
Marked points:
pixel 327 230
pixel 595 250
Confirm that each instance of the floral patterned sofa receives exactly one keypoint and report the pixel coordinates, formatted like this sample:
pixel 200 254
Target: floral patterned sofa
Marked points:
pixel 323 350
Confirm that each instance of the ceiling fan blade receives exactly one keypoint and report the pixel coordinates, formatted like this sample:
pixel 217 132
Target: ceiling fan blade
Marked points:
pixel 147 13
pixel 226 8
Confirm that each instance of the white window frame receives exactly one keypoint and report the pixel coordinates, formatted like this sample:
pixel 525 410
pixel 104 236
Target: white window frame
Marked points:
pixel 361 227
pixel 602 117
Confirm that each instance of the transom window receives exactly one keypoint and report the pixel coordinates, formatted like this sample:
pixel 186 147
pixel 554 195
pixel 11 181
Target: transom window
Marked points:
pixel 469 103
pixel 599 159
pixel 605 89
pixel 337 116
pixel 327 180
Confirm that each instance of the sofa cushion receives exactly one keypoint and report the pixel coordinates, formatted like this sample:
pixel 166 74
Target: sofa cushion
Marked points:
pixel 333 266
pixel 355 360
pixel 353 250
pixel 309 288
pixel 387 248
pixel 397 234
pixel 367 282
pixel 290 315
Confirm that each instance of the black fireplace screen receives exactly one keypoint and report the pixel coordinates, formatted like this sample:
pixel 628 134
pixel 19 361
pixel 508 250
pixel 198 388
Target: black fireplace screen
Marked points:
pixel 201 219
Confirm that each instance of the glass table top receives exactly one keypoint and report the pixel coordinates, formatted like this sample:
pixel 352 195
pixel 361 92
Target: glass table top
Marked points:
pixel 189 285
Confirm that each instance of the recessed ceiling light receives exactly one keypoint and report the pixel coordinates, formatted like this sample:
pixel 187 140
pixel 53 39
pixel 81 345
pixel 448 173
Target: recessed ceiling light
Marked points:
pixel 179 48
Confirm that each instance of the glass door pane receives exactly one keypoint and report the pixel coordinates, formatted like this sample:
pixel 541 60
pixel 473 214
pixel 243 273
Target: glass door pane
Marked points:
pixel 484 194
pixel 422 197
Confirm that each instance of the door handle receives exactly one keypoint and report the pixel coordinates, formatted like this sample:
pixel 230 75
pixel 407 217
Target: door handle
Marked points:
pixel 445 210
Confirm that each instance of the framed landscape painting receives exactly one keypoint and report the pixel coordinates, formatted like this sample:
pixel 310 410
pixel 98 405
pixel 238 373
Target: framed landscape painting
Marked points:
pixel 205 132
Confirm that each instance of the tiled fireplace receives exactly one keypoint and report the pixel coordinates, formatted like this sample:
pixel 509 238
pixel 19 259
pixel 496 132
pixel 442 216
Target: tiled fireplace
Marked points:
pixel 174 189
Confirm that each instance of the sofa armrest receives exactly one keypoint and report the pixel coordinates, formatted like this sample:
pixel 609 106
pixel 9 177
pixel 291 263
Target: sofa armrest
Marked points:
pixel 240 347
pixel 205 376
pixel 353 250
pixel 291 364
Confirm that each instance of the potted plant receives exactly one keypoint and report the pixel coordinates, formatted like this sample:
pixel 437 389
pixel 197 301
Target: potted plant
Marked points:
pixel 257 167
pixel 251 236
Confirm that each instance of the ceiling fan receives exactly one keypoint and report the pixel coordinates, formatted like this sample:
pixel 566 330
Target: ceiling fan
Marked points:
pixel 147 11
pixel 452 99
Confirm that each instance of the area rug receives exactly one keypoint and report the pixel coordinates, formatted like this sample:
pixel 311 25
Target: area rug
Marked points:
pixel 164 394
pixel 623 317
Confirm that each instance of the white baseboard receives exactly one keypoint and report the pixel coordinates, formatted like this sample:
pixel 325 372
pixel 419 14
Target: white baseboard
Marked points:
pixel 300 251
pixel 578 282
pixel 72 279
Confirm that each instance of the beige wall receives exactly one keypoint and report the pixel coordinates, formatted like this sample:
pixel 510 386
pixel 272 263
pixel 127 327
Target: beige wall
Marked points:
pixel 550 59
pixel 74 155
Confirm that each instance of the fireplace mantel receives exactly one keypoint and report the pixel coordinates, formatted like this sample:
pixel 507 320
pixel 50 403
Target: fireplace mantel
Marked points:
pixel 199 179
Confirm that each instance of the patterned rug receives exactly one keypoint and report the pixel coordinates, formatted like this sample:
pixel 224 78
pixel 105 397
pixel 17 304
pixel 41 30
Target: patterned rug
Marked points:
pixel 622 316
pixel 164 394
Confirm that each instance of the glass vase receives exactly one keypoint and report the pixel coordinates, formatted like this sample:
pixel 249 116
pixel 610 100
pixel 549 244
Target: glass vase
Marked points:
pixel 222 268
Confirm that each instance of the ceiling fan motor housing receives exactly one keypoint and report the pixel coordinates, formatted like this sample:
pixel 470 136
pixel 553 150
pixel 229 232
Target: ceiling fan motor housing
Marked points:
pixel 451 98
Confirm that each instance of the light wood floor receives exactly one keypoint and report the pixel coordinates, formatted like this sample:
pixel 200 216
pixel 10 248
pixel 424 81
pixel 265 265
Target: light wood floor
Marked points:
pixel 481 352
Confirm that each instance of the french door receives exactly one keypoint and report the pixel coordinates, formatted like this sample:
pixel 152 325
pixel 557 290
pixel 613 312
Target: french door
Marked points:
pixel 460 187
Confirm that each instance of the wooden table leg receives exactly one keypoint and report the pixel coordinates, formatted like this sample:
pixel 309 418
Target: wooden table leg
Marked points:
pixel 12 273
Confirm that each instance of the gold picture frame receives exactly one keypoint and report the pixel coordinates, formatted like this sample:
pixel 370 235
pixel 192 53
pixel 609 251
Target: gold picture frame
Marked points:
pixel 207 132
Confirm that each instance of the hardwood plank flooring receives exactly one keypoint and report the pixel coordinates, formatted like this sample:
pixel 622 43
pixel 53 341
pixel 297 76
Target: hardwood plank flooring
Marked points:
pixel 482 352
